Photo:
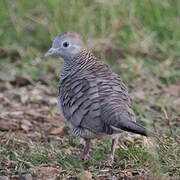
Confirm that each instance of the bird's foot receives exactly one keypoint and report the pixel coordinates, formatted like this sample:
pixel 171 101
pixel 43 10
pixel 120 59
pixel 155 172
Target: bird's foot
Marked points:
pixel 85 156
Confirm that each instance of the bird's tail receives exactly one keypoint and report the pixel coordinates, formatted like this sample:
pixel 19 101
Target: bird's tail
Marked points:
pixel 133 127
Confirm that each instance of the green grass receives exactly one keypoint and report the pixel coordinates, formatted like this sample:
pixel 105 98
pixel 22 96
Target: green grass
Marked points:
pixel 127 23
pixel 136 157
pixel 146 32
pixel 134 26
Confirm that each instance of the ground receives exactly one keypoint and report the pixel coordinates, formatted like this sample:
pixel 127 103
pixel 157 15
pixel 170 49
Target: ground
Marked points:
pixel 139 40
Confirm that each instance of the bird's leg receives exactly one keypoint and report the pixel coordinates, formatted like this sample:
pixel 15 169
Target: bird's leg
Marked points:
pixel 113 148
pixel 85 154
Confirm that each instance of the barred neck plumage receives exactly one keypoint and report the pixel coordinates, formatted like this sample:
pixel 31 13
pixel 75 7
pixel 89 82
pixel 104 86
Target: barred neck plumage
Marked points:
pixel 83 60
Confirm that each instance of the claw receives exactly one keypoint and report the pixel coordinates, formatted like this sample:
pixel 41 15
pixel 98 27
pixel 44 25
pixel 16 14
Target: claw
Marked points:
pixel 85 156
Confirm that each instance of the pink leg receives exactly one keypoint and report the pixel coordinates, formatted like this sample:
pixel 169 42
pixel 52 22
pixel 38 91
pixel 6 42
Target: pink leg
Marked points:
pixel 113 148
pixel 85 154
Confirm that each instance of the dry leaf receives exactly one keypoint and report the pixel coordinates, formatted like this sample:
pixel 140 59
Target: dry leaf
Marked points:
pixel 85 175
pixel 26 125
pixel 66 150
pixel 34 135
pixel 173 89
pixel 20 81
pixel 57 130
pixel 46 173
pixel 12 54
pixel 9 125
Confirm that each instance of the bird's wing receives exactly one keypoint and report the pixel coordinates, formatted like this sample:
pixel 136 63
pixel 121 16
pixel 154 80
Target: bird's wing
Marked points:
pixel 80 101
pixel 115 104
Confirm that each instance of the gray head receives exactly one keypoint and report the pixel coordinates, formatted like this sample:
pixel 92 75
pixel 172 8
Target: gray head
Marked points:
pixel 67 45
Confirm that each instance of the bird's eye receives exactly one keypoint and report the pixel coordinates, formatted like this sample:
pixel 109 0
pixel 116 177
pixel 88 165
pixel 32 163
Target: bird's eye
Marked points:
pixel 65 44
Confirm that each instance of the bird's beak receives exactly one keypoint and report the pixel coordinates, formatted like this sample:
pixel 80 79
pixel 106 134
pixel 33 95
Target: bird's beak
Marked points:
pixel 50 52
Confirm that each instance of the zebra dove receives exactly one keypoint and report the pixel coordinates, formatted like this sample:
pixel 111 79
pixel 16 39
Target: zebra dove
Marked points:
pixel 93 99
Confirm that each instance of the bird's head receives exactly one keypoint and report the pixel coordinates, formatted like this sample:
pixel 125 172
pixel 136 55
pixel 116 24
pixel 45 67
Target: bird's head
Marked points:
pixel 67 45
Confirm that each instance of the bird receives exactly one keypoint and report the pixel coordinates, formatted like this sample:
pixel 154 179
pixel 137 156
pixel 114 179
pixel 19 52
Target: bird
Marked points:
pixel 92 98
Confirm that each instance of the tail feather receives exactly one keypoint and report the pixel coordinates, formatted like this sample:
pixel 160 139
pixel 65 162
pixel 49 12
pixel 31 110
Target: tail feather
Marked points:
pixel 131 126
